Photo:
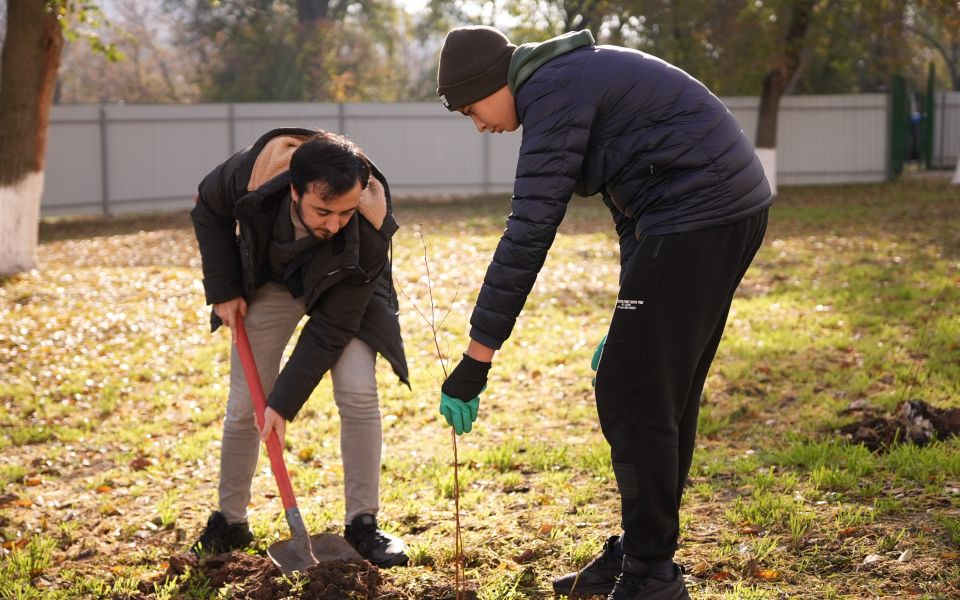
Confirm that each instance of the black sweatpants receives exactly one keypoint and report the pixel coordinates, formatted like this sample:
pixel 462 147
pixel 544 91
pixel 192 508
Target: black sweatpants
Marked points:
pixel 673 303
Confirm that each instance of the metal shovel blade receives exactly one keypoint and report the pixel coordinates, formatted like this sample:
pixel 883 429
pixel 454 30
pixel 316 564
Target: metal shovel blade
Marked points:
pixel 328 546
pixel 292 555
pixel 295 554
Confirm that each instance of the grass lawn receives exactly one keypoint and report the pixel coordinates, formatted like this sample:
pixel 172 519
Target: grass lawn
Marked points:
pixel 113 388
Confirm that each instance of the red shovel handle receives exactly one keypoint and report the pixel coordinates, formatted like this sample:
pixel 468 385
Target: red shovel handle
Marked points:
pixel 274 449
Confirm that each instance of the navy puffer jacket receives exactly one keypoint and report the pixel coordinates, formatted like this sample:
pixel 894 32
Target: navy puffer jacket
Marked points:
pixel 665 154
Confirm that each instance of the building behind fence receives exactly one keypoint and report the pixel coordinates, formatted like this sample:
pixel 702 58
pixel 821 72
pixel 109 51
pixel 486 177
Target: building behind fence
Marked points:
pixel 119 158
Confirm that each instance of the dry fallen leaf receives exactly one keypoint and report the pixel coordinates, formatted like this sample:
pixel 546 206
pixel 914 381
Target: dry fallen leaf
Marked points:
pixel 103 489
pixel 11 544
pixel 140 463
pixel 545 529
pixel 722 576
pixel 525 556
pixel 31 481
pixel 767 574
pixel 700 570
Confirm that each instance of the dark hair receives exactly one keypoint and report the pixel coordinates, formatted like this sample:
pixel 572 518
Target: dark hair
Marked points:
pixel 329 165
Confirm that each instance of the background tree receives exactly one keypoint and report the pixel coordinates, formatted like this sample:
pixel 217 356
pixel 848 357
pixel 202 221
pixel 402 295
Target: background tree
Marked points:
pixel 35 31
pixel 294 50
pixel 936 24
pixel 783 67
pixel 28 72
pixel 152 69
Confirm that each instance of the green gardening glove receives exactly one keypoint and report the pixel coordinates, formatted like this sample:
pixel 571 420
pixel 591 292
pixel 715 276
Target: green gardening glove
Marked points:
pixel 459 414
pixel 595 361
pixel 467 380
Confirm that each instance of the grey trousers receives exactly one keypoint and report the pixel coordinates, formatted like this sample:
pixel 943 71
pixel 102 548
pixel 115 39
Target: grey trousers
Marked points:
pixel 271 320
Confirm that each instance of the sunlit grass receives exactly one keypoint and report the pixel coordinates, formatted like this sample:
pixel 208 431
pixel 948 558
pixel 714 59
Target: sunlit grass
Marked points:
pixel 106 356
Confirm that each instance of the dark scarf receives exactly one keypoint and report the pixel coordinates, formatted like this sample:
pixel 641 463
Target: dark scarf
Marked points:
pixel 284 248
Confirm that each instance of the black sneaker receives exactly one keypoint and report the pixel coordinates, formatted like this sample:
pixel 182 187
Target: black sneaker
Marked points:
pixel 382 549
pixel 635 583
pixel 220 536
pixel 598 577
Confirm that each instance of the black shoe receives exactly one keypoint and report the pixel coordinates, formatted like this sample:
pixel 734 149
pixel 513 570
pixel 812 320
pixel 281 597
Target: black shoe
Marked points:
pixel 598 577
pixel 382 549
pixel 219 536
pixel 635 583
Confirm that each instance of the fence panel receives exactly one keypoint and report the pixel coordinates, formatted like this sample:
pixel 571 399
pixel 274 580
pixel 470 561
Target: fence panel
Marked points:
pixel 73 182
pixel 946 136
pixel 151 157
pixel 157 154
pixel 824 139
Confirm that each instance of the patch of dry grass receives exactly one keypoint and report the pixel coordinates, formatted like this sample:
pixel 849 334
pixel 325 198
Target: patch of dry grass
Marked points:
pixel 113 390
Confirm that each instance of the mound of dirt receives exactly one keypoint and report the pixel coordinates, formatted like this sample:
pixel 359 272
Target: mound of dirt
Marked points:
pixel 912 422
pixel 253 577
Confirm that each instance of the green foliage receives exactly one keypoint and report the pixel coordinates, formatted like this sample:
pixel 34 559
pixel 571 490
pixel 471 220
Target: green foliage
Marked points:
pixel 85 20
pixel 502 457
pixel 850 46
pixel 950 524
pixel 23 564
pixel 11 474
pixel 509 586
pixel 763 509
pixel 269 51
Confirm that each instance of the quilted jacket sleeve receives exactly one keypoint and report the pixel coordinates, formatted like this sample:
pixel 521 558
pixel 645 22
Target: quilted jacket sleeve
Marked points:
pixel 556 128
pixel 215 227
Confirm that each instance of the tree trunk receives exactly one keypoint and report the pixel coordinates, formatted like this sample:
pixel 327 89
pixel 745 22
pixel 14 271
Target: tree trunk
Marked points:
pixel 310 12
pixel 775 84
pixel 28 75
pixel 783 69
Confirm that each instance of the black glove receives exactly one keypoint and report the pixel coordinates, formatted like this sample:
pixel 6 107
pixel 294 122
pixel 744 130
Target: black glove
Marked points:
pixel 467 380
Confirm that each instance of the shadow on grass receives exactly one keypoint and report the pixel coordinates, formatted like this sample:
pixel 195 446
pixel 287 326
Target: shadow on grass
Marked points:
pixel 917 207
pixel 58 229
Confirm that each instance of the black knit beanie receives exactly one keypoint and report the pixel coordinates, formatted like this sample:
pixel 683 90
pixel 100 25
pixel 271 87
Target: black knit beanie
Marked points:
pixel 473 64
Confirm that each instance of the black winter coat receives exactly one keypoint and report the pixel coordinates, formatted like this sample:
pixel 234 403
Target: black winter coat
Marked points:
pixel 665 154
pixel 347 285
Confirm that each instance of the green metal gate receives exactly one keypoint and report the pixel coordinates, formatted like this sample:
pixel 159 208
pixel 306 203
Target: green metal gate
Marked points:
pixel 926 124
pixel 899 126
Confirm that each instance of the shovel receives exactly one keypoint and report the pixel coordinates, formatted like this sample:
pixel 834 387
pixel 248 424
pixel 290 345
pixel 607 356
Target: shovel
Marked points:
pixel 301 550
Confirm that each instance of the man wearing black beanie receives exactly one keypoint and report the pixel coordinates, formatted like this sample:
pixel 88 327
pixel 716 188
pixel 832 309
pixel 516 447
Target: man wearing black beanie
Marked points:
pixel 689 203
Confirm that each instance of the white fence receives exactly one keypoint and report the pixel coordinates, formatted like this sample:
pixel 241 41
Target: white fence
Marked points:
pixel 111 159
pixel 946 135
pixel 825 139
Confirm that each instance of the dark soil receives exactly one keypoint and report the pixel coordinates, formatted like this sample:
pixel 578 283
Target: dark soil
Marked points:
pixel 912 422
pixel 254 577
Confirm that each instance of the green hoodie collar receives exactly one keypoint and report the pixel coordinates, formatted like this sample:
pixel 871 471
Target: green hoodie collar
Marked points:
pixel 527 58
